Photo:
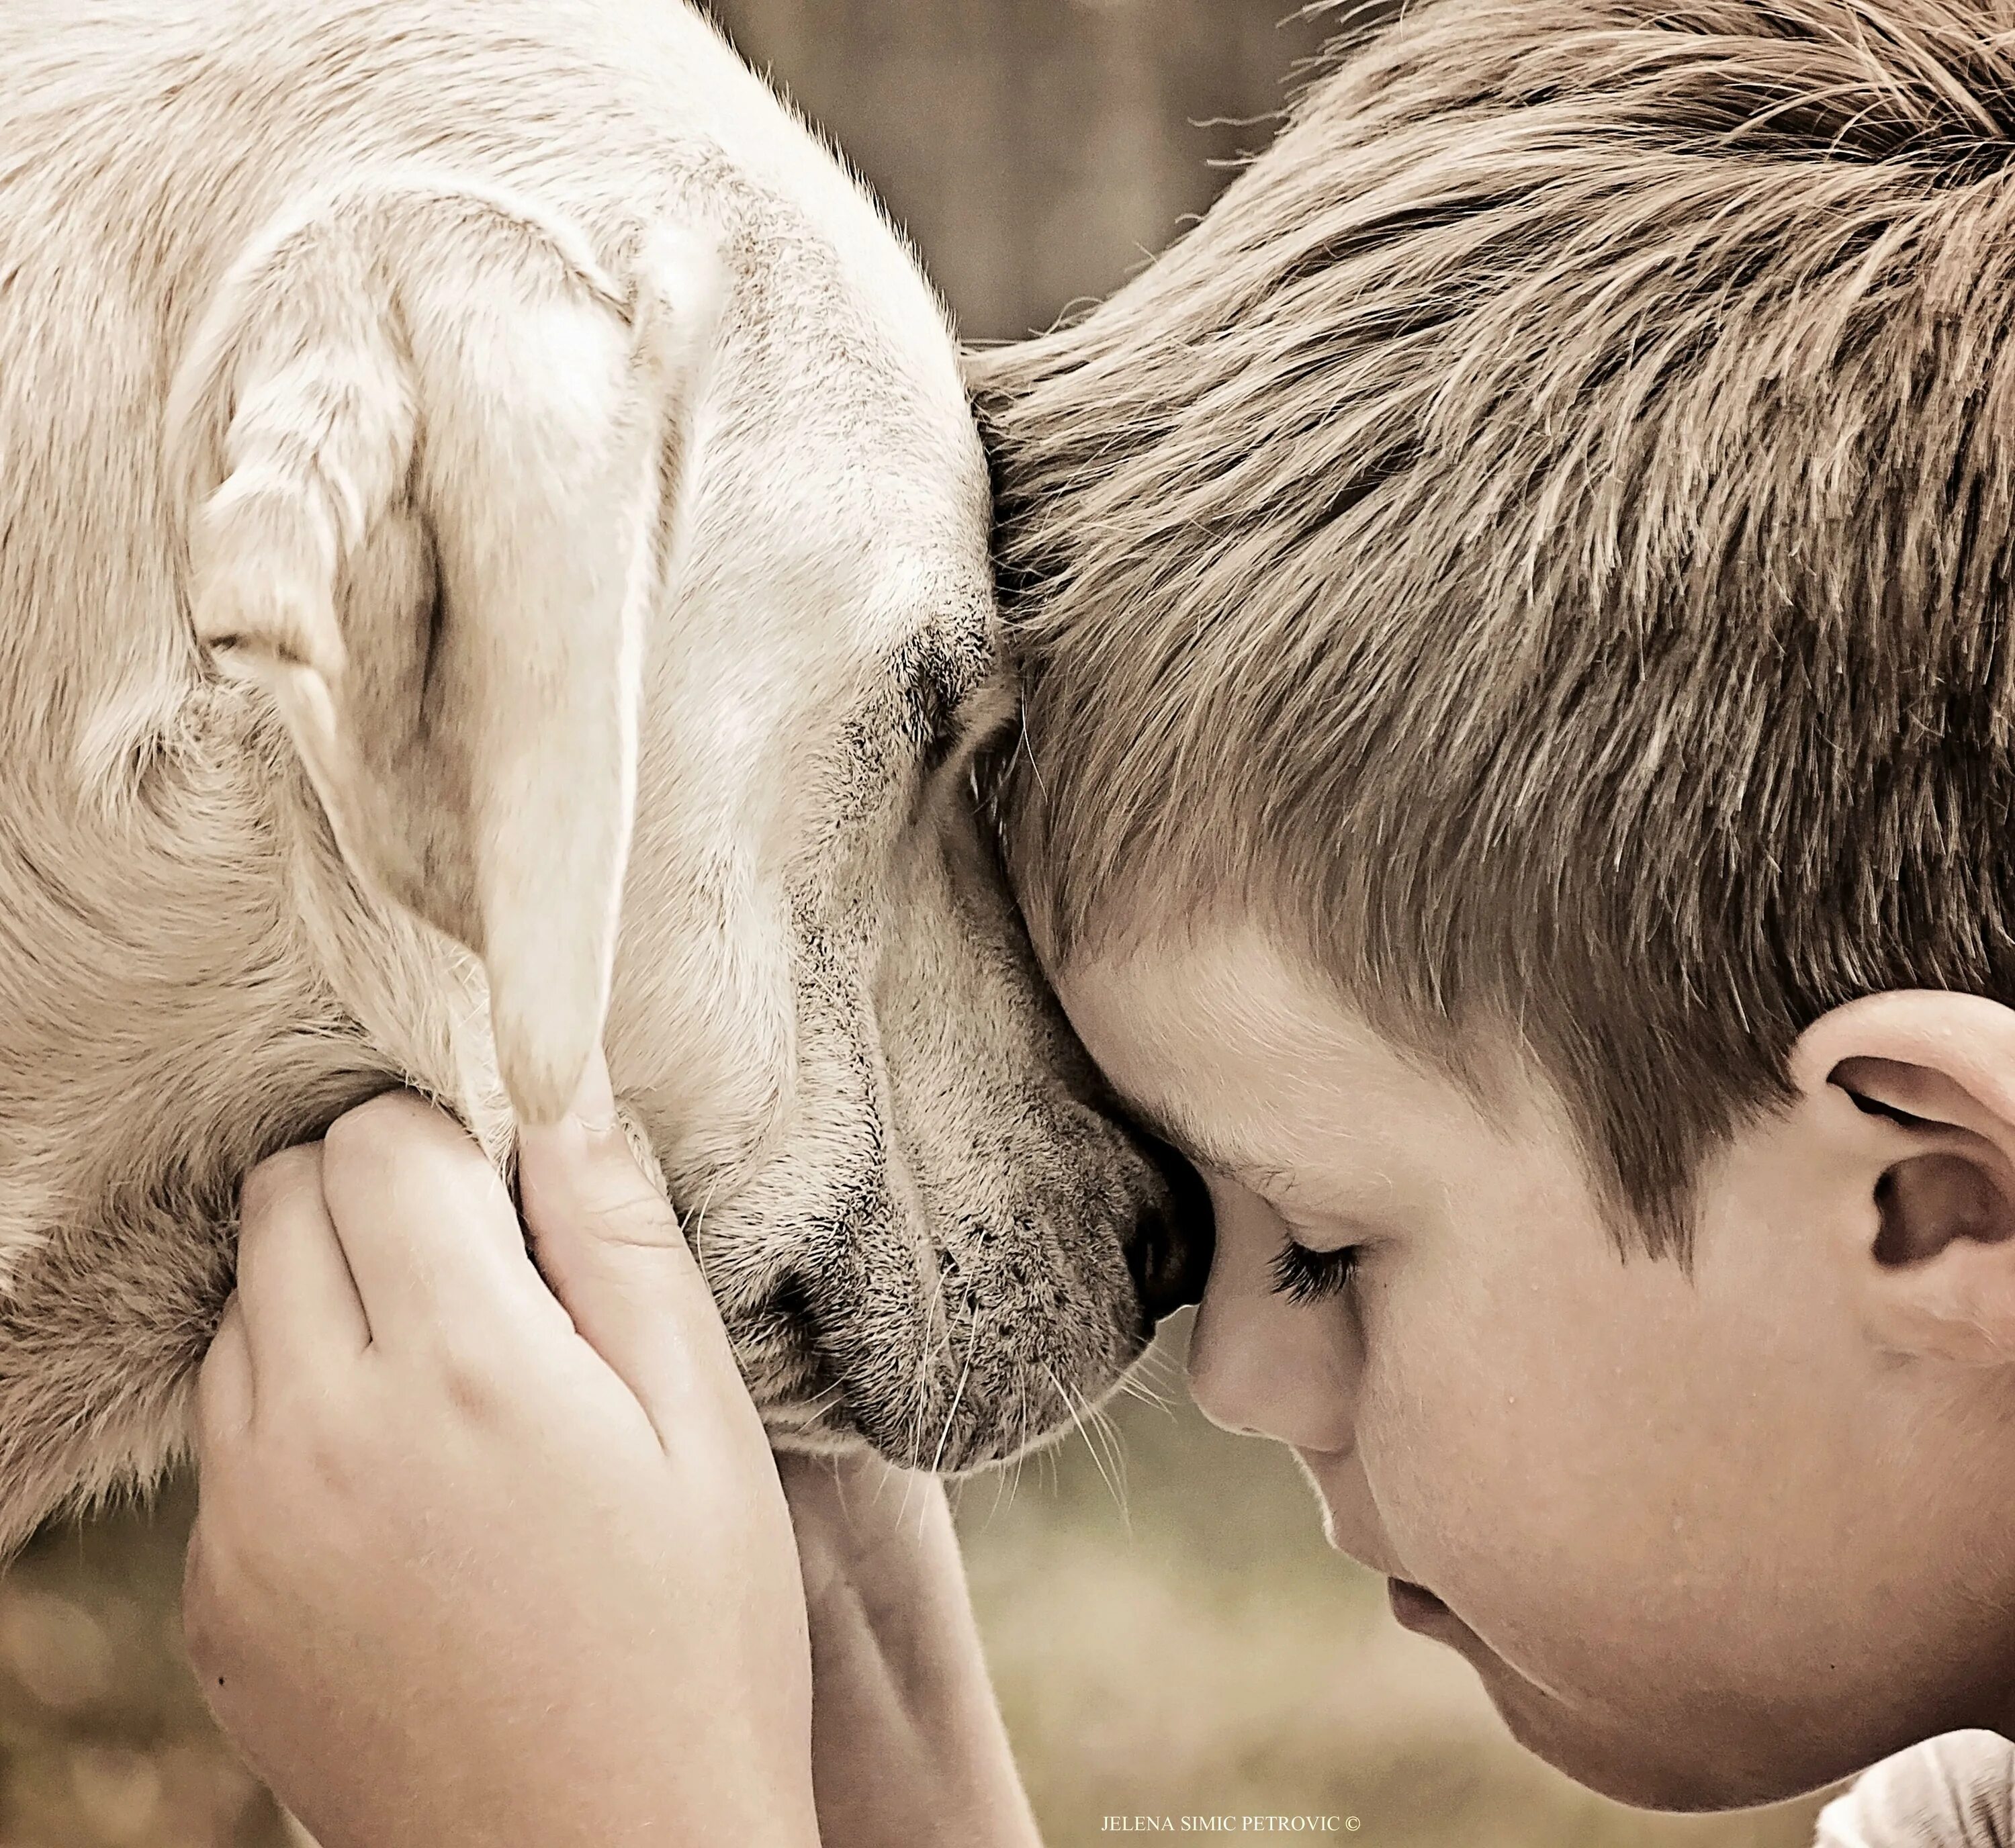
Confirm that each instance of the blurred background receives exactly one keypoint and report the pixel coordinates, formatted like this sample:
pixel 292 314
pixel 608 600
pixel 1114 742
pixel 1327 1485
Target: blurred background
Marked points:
pixel 1170 1634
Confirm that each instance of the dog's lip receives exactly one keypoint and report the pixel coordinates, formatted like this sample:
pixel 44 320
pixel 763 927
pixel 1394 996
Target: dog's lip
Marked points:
pixel 795 1377
pixel 852 1405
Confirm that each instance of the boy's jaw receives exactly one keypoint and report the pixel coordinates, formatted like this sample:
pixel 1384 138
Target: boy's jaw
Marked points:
pixel 1702 1543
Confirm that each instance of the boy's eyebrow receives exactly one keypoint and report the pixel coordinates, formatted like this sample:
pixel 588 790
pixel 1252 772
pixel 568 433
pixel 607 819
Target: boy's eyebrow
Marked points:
pixel 1201 1149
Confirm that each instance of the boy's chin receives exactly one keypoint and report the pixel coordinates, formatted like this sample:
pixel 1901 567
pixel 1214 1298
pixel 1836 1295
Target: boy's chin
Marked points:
pixel 1664 1767
pixel 1684 1790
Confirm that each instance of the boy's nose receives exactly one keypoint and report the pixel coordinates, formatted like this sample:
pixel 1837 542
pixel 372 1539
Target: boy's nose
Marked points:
pixel 1259 1365
pixel 1243 1384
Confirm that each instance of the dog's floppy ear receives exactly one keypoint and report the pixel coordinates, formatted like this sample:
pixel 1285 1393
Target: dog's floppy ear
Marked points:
pixel 430 457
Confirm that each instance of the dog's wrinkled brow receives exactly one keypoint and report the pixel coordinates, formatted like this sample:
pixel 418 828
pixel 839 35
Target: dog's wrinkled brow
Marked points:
pixel 939 671
pixel 928 700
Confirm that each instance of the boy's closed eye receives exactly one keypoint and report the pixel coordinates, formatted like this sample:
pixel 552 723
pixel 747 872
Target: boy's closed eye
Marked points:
pixel 1304 1274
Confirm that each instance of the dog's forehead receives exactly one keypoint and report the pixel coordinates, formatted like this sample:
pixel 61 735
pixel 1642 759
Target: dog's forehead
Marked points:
pixel 930 620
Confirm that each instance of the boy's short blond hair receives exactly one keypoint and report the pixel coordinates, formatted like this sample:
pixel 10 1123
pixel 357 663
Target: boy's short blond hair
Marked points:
pixel 1543 543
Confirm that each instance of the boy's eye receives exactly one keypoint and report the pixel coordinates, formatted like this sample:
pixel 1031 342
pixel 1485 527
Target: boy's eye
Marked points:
pixel 1305 1276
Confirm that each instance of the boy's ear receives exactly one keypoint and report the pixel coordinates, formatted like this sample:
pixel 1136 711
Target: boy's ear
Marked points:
pixel 428 454
pixel 1920 1092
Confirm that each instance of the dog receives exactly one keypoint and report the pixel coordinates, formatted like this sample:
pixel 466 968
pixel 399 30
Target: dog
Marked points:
pixel 494 553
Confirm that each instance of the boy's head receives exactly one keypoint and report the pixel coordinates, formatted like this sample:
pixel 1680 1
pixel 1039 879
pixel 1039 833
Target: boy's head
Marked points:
pixel 1519 727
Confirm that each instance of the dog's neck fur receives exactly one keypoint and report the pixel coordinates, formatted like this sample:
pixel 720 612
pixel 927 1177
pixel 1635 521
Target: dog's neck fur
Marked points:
pixel 218 942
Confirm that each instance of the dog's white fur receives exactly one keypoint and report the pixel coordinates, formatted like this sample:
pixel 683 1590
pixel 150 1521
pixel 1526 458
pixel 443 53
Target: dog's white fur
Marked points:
pixel 492 551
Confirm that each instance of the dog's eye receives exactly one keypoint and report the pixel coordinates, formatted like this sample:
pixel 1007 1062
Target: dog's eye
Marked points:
pixel 942 740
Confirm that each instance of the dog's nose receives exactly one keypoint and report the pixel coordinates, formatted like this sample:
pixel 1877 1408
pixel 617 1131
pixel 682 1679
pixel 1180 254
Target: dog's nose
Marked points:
pixel 1170 1251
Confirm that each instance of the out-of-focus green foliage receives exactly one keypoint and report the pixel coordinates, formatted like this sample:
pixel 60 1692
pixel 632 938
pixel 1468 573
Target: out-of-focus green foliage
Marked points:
pixel 104 1739
pixel 1037 150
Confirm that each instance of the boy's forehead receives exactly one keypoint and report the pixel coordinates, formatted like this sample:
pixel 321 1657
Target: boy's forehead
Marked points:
pixel 1239 1054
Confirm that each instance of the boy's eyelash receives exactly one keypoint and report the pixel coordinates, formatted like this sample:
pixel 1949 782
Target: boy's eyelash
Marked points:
pixel 1305 1276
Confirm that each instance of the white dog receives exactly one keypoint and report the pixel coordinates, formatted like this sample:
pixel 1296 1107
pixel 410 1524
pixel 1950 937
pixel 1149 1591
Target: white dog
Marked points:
pixel 493 550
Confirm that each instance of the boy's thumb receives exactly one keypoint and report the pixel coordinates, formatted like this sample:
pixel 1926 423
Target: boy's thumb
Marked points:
pixel 611 1249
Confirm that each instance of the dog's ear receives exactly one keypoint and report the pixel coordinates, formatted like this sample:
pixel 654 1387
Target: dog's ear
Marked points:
pixel 430 457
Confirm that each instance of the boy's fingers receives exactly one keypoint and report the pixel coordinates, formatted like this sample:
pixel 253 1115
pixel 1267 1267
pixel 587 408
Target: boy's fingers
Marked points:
pixel 223 1384
pixel 299 1303
pixel 615 1255
pixel 425 1224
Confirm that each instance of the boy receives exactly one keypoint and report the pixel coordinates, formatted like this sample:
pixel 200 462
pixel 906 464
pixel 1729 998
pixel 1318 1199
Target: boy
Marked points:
pixel 1551 524
pixel 1519 727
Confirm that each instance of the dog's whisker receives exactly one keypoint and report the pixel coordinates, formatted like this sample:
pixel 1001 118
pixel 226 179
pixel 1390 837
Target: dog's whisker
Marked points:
pixel 1023 747
pixel 1145 1394
pixel 698 1236
pixel 1009 1477
pixel 1107 1433
pixel 965 1373
pixel 1098 1462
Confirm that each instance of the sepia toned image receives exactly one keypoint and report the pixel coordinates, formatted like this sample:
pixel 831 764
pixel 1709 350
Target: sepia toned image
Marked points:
pixel 1284 829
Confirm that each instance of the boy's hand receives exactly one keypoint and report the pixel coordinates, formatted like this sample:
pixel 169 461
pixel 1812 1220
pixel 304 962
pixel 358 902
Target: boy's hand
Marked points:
pixel 907 1744
pixel 1956 1791
pixel 471 1566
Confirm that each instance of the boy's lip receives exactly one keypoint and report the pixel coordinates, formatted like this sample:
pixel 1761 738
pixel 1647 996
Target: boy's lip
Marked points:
pixel 1414 1607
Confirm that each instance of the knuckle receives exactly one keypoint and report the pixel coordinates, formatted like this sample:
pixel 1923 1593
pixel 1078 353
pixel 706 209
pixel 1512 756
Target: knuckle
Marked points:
pixel 278 1178
pixel 330 1444
pixel 432 1149
pixel 363 1131
pixel 635 1216
pixel 333 1465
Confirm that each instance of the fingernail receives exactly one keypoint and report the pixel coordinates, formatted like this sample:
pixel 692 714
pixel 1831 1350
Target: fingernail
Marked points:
pixel 594 1105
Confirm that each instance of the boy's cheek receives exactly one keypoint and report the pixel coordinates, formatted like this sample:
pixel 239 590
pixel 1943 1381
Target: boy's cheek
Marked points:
pixel 1502 1495
pixel 1462 1468
pixel 1570 1528
pixel 1634 1489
